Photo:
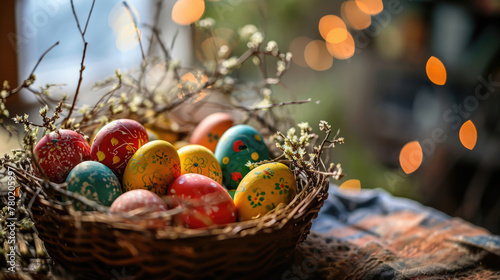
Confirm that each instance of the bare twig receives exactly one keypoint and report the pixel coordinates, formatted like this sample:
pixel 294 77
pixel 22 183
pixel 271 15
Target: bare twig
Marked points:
pixel 155 28
pixel 41 57
pixel 76 19
pixel 82 66
pixel 88 19
pixel 269 106
pixel 134 21
pixel 30 76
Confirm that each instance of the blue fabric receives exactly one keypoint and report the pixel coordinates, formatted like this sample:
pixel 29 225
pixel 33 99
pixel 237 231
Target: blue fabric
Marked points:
pixel 404 239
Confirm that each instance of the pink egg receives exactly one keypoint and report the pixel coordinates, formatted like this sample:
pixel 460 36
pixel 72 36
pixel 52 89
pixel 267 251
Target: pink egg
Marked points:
pixel 145 200
pixel 136 199
pixel 116 142
pixel 208 132
pixel 57 153
pixel 206 201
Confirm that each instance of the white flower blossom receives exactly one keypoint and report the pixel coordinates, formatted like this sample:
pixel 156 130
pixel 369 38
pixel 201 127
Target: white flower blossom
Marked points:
pixel 280 67
pixel 206 23
pixel 272 47
pixel 229 80
pixel 303 125
pixel 104 120
pixel 266 92
pixel 44 110
pixel 84 109
pixel 223 51
pixel 247 31
pixel 255 40
pixel 117 109
pixel 230 63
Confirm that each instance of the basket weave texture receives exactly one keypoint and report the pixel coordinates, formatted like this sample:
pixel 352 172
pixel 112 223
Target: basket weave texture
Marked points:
pixel 98 245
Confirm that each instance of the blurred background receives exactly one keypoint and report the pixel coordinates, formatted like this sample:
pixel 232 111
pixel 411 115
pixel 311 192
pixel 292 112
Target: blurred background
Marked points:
pixel 365 64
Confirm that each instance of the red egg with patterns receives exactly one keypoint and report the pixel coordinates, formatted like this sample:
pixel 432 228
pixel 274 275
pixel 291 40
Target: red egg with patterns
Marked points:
pixel 207 202
pixel 58 153
pixel 208 132
pixel 116 142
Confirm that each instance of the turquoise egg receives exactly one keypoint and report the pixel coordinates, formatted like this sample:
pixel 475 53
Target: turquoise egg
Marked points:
pixel 94 181
pixel 237 146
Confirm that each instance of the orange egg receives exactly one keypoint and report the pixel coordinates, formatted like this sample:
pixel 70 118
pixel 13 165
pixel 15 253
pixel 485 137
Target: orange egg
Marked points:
pixel 210 129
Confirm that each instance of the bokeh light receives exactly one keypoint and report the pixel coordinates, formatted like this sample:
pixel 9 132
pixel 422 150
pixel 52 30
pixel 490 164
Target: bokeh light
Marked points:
pixel 411 157
pixel 229 35
pixel 317 56
pixel 297 48
pixel 123 27
pixel 371 7
pixel 210 49
pixel 186 12
pixel 344 49
pixel 332 29
pixel 436 71
pixel 468 135
pixel 337 35
pixel 192 82
pixel 353 185
pixel 354 16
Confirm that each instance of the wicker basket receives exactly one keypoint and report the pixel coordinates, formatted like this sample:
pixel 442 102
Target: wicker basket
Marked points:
pixel 97 245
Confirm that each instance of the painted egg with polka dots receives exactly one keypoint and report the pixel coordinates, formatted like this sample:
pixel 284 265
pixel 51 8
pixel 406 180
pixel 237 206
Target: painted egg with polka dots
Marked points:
pixel 208 132
pixel 58 153
pixel 200 160
pixel 237 146
pixel 116 142
pixel 153 167
pixel 94 181
pixel 206 201
pixel 263 189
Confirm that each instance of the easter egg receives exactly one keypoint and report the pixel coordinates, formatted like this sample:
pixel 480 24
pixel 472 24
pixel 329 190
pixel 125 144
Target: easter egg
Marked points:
pixel 136 199
pixel 200 160
pixel 144 202
pixel 116 142
pixel 206 201
pixel 153 167
pixel 58 153
pixel 264 188
pixel 208 132
pixel 95 181
pixel 237 146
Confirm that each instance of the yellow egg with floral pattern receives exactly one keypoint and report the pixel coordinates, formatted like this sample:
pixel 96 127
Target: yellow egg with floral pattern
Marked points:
pixel 263 189
pixel 200 160
pixel 153 167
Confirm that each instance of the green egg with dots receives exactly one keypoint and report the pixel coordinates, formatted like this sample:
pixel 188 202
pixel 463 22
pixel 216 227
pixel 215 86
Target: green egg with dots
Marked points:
pixel 237 146
pixel 94 181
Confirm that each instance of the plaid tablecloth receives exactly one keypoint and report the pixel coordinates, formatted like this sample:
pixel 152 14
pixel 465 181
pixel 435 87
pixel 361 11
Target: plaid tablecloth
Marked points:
pixel 373 235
